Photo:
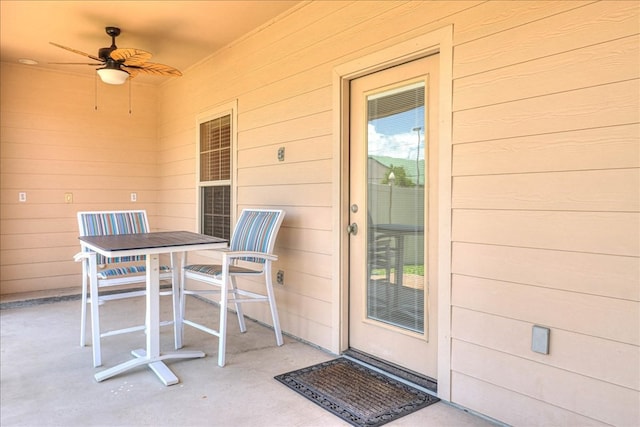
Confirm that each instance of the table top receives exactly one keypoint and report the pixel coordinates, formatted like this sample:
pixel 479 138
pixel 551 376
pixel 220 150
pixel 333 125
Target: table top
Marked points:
pixel 156 242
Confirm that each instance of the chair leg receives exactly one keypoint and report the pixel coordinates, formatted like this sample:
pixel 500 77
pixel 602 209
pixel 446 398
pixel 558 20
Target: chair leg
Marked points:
pixel 83 310
pixel 234 286
pixel 272 304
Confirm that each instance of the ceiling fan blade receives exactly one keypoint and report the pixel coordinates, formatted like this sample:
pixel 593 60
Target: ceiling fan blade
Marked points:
pixel 155 69
pixel 76 63
pixel 130 56
pixel 79 52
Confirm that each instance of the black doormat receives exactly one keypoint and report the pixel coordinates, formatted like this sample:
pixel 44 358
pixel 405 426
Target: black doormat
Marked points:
pixel 395 370
pixel 355 393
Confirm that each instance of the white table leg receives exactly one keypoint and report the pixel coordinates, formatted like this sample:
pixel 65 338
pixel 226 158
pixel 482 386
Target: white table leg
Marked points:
pixel 95 317
pixel 151 356
pixel 153 306
pixel 161 370
pixel 177 262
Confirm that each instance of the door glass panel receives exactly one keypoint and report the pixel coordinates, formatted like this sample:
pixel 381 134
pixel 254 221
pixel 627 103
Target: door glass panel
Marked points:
pixel 396 206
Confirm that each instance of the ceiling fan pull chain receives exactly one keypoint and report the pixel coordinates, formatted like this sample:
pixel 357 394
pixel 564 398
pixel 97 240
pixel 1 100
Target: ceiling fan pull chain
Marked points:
pixel 96 91
pixel 129 96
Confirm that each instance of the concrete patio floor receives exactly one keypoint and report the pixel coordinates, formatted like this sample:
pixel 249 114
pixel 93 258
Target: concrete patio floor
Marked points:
pixel 46 378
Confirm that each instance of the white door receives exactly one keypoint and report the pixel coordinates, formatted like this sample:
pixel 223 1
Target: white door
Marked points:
pixel 393 253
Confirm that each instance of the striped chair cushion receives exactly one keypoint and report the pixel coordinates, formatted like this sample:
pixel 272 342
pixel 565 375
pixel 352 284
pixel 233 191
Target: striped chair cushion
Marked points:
pixel 123 271
pixel 109 223
pixel 216 270
pixel 253 232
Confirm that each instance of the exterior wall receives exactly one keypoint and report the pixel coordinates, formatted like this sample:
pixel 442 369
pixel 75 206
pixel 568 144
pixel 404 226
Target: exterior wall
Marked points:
pixel 53 141
pixel 545 181
pixel 545 218
pixel 545 185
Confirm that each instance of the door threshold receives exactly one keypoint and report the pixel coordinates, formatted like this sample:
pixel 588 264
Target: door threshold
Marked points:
pixel 422 382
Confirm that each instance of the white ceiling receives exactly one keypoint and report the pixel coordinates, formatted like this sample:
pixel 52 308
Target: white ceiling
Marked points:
pixel 177 33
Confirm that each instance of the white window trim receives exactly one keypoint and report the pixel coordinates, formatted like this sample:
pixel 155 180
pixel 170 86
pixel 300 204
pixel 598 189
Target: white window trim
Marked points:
pixel 229 108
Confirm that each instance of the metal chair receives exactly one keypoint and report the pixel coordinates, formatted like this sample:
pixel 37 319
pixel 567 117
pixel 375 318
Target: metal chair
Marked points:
pixel 250 254
pixel 381 253
pixel 119 276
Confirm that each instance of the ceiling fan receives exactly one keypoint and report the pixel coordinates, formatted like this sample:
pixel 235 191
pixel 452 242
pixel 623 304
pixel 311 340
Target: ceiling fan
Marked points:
pixel 117 64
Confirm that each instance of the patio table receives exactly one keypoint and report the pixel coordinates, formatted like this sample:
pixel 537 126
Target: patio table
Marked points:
pixel 399 232
pixel 152 245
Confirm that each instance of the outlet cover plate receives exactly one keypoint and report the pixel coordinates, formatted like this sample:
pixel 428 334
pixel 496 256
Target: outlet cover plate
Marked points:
pixel 540 339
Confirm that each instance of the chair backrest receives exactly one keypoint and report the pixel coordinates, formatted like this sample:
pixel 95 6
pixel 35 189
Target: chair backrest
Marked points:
pixel 256 230
pixel 104 223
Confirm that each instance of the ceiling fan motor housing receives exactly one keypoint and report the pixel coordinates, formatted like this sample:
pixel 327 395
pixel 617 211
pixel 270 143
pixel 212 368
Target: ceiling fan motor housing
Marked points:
pixel 105 52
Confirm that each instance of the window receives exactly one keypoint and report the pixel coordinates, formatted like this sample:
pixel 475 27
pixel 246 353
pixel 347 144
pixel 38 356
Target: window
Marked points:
pixel 216 141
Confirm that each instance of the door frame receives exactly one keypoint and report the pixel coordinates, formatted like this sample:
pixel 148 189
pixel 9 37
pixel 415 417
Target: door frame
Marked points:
pixel 437 41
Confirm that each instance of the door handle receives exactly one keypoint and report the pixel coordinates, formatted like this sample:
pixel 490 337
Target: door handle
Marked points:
pixel 352 228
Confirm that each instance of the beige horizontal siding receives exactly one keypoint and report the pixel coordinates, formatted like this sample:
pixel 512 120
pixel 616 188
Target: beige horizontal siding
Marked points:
pixel 606 105
pixel 306 239
pixel 521 410
pixel 546 223
pixel 285 195
pixel 296 173
pixel 24 257
pixel 603 63
pixel 589 397
pixel 311 263
pixel 316 101
pixel 511 336
pixel 55 142
pixel 597 148
pixel 573 29
pixel 296 152
pixel 307 285
pixel 493 17
pixel 589 314
pixel 25 285
pixel 595 274
pixel 600 190
pixel 614 233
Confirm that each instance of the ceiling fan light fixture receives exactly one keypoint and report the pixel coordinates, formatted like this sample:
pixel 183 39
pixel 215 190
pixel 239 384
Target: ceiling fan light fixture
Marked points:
pixel 113 76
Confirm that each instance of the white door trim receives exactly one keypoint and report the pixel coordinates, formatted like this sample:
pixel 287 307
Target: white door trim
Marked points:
pixel 438 41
